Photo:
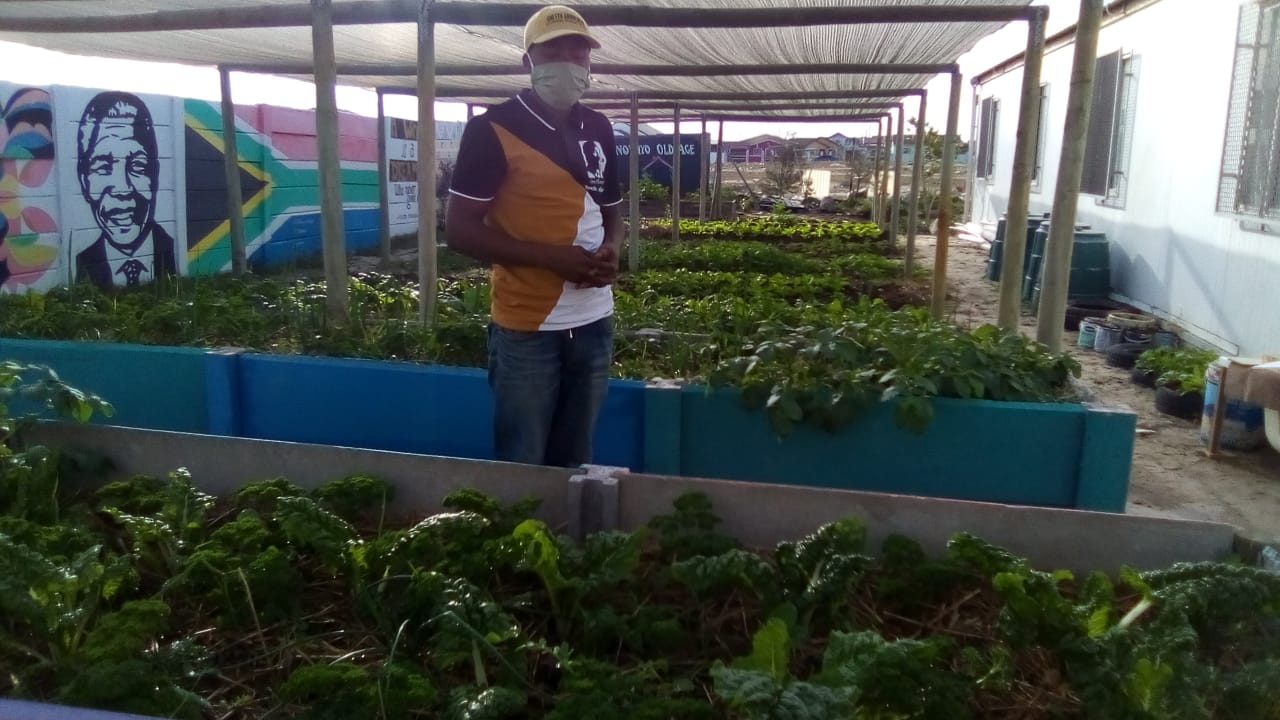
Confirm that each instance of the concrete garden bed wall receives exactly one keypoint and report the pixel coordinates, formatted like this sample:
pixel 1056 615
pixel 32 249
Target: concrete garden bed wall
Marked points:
pixel 758 514
pixel 1062 455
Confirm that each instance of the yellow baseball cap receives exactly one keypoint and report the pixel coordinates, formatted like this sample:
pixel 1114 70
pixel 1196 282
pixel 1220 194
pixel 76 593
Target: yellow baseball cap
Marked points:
pixel 555 21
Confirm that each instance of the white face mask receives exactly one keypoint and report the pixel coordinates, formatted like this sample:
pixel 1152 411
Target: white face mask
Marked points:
pixel 560 84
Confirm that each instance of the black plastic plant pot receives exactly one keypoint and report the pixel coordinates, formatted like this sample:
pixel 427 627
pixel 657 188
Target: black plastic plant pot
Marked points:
pixel 1145 378
pixel 1187 406
pixel 1124 355
pixel 1078 310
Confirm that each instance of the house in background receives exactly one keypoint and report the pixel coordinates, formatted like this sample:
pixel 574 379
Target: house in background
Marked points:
pixel 1194 226
pixel 822 149
pixel 760 148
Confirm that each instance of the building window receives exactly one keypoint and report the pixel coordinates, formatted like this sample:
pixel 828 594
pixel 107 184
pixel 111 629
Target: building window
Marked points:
pixel 1110 138
pixel 1250 179
pixel 1037 171
pixel 990 119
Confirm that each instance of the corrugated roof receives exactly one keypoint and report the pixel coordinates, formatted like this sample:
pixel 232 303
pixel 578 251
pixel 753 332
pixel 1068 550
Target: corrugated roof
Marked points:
pixel 396 43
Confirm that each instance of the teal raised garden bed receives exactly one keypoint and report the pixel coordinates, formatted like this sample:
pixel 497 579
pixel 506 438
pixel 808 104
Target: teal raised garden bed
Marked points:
pixel 1057 455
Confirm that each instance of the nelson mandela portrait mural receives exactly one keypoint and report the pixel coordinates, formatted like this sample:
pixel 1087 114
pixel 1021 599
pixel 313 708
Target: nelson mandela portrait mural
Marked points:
pixel 119 167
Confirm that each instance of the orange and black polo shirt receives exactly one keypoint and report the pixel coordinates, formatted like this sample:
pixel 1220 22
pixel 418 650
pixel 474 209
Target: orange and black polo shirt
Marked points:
pixel 545 185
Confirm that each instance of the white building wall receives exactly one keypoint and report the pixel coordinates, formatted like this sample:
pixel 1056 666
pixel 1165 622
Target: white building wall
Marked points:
pixel 1171 251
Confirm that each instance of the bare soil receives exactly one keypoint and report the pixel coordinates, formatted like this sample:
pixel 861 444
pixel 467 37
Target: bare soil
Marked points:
pixel 1171 475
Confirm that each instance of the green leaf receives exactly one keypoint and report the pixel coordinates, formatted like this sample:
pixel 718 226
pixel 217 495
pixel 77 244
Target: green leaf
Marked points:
pixel 494 703
pixel 770 651
pixel 540 552
pixel 1147 684
pixel 728 571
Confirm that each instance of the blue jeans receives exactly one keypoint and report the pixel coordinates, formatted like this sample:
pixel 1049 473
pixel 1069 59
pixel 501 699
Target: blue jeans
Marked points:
pixel 548 386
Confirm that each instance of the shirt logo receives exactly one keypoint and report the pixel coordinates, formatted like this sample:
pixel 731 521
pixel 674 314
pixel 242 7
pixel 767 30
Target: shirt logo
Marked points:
pixel 593 157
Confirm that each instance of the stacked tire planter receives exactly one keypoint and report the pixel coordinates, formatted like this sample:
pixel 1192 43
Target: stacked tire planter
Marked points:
pixel 1122 336
pixel 1181 405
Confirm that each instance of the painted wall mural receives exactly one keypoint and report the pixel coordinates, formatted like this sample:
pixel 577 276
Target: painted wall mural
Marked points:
pixel 118 170
pixel 28 192
pixel 279 182
pixel 117 189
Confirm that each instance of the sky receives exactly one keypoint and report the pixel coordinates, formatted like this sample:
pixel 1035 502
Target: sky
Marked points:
pixel 32 66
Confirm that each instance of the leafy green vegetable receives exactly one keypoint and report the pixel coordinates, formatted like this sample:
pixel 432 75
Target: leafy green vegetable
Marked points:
pixel 148 596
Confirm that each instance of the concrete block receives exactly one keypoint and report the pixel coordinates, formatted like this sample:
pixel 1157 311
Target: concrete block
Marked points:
pixel 592 505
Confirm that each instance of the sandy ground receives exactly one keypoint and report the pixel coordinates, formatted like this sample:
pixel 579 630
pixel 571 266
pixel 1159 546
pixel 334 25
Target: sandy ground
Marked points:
pixel 1171 477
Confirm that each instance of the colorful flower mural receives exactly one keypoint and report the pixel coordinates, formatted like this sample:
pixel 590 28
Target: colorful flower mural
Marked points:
pixel 28 232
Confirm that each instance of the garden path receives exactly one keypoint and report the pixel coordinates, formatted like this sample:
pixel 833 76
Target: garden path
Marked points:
pixel 1171 477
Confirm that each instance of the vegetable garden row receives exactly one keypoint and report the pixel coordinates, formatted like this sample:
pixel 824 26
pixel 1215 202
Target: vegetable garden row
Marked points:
pixel 811 319
pixel 147 595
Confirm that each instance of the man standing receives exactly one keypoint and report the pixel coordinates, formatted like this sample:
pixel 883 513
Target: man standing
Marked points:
pixel 535 193
pixel 118 165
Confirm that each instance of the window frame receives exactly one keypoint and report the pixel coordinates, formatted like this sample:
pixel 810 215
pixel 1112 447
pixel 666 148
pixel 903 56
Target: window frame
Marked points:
pixel 989 119
pixel 1122 132
pixel 1037 168
pixel 1240 155
pixel 1109 141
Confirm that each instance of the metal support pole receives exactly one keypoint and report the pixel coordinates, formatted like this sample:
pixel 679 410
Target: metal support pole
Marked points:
pixel 333 236
pixel 917 176
pixel 875 173
pixel 675 177
pixel 1024 158
pixel 231 166
pixel 702 171
pixel 633 236
pixel 384 184
pixel 1057 257
pixel 941 247
pixel 427 267
pixel 715 196
pixel 897 181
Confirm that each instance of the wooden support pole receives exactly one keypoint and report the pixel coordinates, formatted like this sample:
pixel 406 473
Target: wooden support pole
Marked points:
pixel 875 174
pixel 897 180
pixel 884 171
pixel 759 117
pixel 373 12
pixel 971 179
pixel 384 184
pixel 427 268
pixel 471 108
pixel 917 176
pixel 939 302
pixel 1057 257
pixel 633 254
pixel 675 176
pixel 716 205
pixel 231 168
pixel 702 171
pixel 600 69
pixel 1024 159
pixel 333 236
pixel 839 110
pixel 454 91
